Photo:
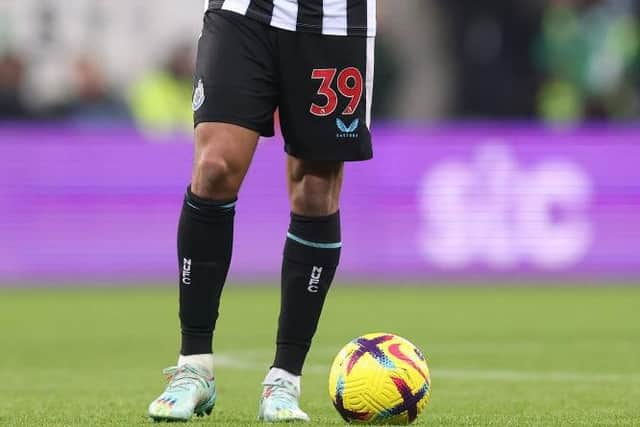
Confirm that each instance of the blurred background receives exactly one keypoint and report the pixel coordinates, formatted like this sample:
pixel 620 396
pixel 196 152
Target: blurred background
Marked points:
pixel 506 138
pixel 551 60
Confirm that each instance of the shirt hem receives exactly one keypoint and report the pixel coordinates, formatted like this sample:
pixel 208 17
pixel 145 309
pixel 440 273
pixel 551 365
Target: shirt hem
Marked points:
pixel 302 27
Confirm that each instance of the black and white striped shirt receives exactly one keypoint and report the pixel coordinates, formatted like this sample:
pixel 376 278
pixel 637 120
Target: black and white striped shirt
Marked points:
pixel 330 17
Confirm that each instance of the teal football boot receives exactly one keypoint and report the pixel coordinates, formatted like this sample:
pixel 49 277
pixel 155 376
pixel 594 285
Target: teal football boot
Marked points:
pixel 279 403
pixel 190 391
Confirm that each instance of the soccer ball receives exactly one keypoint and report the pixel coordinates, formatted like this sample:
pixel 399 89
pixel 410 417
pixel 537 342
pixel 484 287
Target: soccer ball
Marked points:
pixel 380 379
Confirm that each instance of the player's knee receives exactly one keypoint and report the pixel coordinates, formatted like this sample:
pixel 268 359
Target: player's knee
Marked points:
pixel 213 167
pixel 314 196
pixel 223 154
pixel 213 177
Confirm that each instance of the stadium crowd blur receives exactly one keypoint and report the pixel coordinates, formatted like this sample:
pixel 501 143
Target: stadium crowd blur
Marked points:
pixel 556 60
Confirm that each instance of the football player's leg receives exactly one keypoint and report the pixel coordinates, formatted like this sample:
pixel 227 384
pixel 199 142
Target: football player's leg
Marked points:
pixel 205 233
pixel 223 153
pixel 234 99
pixel 311 255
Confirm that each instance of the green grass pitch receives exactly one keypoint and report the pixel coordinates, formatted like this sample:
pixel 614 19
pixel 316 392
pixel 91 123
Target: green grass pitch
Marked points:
pixel 499 356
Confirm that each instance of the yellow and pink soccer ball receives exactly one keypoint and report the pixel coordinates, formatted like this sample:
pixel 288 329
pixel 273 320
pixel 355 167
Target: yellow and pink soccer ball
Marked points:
pixel 380 378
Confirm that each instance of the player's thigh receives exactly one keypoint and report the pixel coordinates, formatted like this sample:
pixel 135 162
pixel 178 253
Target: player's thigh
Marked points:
pixel 326 92
pixel 314 186
pixel 236 73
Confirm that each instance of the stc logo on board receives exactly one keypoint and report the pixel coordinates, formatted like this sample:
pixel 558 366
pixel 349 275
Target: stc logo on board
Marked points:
pixel 497 212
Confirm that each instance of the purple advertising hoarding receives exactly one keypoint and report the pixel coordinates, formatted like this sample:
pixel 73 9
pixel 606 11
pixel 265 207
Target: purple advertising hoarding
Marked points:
pixel 462 203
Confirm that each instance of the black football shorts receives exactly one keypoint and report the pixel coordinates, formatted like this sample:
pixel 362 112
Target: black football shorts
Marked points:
pixel 321 85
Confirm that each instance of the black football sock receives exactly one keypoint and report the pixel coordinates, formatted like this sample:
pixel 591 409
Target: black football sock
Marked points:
pixel 311 256
pixel 205 239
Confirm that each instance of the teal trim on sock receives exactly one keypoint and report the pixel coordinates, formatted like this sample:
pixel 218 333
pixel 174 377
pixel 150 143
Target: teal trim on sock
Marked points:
pixel 317 245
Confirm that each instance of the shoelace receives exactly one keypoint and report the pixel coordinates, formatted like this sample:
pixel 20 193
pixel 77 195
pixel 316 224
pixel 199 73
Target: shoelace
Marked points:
pixel 180 378
pixel 282 393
